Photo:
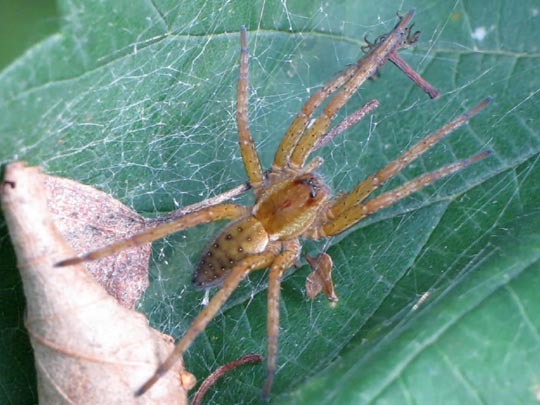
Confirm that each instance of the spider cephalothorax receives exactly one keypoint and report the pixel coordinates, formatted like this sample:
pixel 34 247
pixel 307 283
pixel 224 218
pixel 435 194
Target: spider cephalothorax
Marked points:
pixel 286 208
pixel 291 200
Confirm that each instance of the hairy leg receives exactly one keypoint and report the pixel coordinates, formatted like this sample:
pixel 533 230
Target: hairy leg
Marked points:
pixel 367 67
pixel 247 146
pixel 357 212
pixel 213 213
pixel 350 78
pixel 285 260
pixel 372 182
pixel 238 273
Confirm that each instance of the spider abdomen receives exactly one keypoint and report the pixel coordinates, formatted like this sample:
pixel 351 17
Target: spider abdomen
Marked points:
pixel 239 239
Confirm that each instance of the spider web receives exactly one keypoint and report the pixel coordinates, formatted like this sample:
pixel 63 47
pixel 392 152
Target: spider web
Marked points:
pixel 140 102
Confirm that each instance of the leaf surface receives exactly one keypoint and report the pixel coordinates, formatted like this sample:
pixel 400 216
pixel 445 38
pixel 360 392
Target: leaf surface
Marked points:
pixel 138 99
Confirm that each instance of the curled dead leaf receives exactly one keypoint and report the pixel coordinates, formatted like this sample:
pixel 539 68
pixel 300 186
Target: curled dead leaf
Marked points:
pixel 87 347
pixel 89 218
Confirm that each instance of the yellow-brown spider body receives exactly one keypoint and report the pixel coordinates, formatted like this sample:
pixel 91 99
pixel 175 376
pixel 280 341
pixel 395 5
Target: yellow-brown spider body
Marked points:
pixel 284 211
pixel 291 200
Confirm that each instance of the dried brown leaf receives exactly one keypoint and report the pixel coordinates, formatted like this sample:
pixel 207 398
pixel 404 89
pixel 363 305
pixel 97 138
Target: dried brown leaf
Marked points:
pixel 89 218
pixel 88 348
pixel 320 278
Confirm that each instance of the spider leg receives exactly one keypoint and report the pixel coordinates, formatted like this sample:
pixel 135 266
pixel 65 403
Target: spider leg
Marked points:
pixel 347 122
pixel 283 261
pixel 297 127
pixel 247 146
pixel 237 274
pixel 367 67
pixel 213 213
pixel 372 182
pixel 359 211
pixel 297 141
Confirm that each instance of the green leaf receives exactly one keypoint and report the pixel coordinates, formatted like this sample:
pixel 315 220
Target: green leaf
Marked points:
pixel 22 24
pixel 138 99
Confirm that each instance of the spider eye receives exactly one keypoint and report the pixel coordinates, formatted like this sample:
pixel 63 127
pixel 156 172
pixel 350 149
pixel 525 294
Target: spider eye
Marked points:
pixel 313 194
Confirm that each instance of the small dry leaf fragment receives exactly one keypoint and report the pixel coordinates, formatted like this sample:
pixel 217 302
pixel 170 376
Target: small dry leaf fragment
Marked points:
pixel 87 347
pixel 320 278
pixel 187 380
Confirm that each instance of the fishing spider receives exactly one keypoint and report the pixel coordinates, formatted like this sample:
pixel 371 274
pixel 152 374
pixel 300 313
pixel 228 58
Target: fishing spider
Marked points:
pixel 292 201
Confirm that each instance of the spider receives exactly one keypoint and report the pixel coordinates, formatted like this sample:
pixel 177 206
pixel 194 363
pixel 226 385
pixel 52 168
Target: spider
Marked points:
pixel 292 200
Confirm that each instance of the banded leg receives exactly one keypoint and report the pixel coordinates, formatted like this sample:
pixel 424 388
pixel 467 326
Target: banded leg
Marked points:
pixel 298 126
pixel 372 182
pixel 247 146
pixel 209 214
pixel 367 67
pixel 237 274
pixel 285 260
pixel 359 211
